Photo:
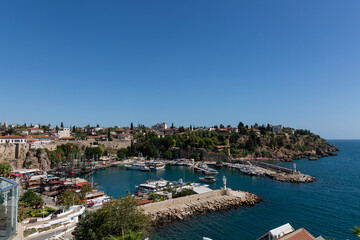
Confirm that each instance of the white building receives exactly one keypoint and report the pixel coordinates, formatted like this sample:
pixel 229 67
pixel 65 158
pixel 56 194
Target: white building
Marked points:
pixel 22 131
pixel 35 130
pixel 12 139
pixel 4 124
pixel 159 126
pixel 63 132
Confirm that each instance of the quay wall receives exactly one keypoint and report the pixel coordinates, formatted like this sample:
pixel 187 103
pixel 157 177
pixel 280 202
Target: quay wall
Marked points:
pixel 182 200
pixel 179 209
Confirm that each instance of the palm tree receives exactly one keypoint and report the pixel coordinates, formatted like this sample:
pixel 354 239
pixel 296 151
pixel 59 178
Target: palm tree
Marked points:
pixel 356 231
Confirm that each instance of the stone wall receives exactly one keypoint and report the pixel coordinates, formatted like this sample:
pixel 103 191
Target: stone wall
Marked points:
pixel 113 144
pixel 205 155
pixel 14 154
pixel 18 154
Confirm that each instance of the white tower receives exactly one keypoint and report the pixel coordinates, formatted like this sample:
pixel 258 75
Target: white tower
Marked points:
pixel 224 182
pixel 294 167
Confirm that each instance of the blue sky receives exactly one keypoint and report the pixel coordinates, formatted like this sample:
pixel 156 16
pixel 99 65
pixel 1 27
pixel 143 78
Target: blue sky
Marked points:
pixel 295 63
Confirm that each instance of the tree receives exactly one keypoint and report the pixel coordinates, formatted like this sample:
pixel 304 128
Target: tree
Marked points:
pixel 97 125
pixel 62 125
pixel 131 126
pixel 30 198
pixel 222 126
pixel 5 169
pixel 172 126
pixel 168 154
pixel 121 154
pixel 109 135
pixel 70 197
pixel 116 218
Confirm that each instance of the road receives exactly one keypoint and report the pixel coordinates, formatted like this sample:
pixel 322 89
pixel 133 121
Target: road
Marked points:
pixel 48 235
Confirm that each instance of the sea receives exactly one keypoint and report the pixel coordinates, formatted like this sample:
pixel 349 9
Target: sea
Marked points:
pixel 329 207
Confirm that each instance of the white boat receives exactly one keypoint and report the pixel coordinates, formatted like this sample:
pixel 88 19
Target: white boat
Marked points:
pixel 207 170
pixel 136 166
pixel 157 166
pixel 153 185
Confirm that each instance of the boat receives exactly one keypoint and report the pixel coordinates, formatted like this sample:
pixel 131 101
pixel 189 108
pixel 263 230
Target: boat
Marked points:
pixel 157 166
pixel 207 170
pixel 136 166
pixel 151 185
pixel 96 198
pixel 207 179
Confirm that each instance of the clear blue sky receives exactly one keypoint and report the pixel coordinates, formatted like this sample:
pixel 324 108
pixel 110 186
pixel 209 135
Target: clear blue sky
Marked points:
pixel 295 63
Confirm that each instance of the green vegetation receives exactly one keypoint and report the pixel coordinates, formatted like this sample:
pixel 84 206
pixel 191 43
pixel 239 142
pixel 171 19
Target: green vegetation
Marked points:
pixel 356 231
pixel 156 197
pixel 30 198
pixel 70 197
pixel 29 231
pixel 5 169
pixel 120 218
pixel 184 192
pixel 257 140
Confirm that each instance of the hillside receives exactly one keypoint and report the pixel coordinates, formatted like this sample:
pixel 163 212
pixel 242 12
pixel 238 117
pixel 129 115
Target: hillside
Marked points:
pixel 286 144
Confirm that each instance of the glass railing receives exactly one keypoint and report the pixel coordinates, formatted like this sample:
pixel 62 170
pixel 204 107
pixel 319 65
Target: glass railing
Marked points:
pixel 8 208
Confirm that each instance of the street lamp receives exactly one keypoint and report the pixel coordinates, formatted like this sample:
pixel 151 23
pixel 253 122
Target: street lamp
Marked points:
pixel 43 210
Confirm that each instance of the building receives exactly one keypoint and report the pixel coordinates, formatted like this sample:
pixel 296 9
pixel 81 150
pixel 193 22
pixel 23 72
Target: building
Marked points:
pixel 124 137
pixel 287 232
pixel 63 132
pixel 22 131
pixel 37 141
pixel 159 126
pixel 8 208
pixel 35 130
pixel 4 124
pixel 12 139
pixel 276 128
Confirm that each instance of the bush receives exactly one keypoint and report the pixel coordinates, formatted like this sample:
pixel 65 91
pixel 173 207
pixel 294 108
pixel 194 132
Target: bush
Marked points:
pixel 30 198
pixel 28 232
pixel 184 192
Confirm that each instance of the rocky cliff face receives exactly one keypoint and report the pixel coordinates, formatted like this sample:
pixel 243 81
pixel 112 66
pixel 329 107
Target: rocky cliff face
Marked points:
pixel 288 148
pixel 20 156
pixel 35 159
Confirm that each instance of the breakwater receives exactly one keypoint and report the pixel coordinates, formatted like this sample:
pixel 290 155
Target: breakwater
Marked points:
pixel 179 209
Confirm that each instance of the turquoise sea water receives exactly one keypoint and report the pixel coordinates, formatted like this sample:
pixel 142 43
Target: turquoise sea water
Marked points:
pixel 330 206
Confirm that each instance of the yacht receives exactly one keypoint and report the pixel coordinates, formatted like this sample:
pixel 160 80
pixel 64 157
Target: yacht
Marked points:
pixel 136 166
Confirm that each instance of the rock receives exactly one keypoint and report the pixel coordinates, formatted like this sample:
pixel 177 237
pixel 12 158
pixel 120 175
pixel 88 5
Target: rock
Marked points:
pixel 36 159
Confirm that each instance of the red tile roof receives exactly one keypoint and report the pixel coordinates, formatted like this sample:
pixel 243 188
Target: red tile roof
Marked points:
pixel 12 137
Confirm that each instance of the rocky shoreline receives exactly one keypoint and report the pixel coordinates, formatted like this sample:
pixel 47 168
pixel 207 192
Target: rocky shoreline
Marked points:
pixel 293 178
pixel 288 156
pixel 198 204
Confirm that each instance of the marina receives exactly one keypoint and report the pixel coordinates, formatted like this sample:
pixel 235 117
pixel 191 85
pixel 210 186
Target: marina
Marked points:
pixel 278 198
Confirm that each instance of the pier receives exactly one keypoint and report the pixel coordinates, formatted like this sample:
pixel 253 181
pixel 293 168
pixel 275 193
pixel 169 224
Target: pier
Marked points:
pixel 182 208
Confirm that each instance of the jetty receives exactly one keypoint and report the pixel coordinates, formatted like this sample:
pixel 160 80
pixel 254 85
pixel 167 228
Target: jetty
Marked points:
pixel 182 208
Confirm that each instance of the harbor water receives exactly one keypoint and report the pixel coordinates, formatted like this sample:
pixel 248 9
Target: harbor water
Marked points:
pixel 330 206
